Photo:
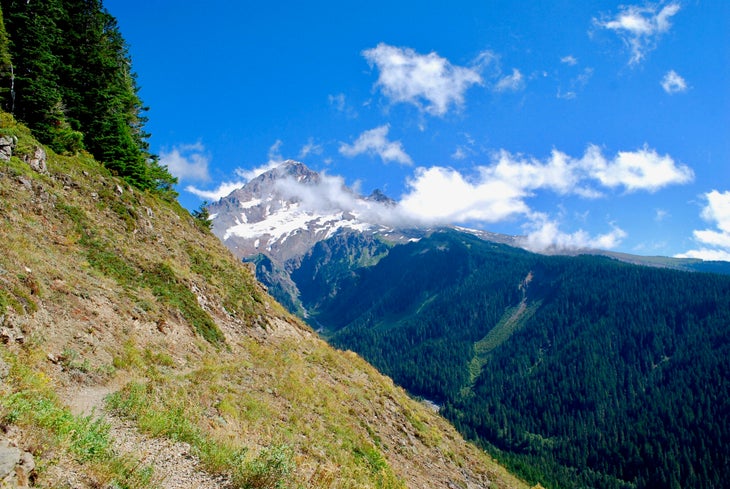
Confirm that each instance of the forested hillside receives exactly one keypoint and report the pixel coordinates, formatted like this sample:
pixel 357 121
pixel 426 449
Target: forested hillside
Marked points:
pixel 66 73
pixel 578 371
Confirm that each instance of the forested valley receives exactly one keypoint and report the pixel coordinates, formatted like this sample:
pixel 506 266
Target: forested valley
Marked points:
pixel 575 371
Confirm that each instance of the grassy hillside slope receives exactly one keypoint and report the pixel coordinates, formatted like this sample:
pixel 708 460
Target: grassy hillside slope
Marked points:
pixel 120 314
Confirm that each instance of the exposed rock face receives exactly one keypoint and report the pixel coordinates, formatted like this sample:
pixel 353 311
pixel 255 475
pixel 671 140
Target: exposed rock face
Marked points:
pixel 17 467
pixel 278 219
pixel 4 369
pixel 37 160
pixel 7 144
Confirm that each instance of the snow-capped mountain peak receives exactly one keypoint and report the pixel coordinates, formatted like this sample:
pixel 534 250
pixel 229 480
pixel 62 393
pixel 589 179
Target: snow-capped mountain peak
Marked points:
pixel 285 211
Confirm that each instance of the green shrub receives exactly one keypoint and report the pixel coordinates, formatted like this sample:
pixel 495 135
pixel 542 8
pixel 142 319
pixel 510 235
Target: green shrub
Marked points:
pixel 270 469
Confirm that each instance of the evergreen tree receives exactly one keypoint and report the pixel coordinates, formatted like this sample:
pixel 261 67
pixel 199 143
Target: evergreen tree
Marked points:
pixel 75 88
pixel 33 33
pixel 6 68
pixel 202 216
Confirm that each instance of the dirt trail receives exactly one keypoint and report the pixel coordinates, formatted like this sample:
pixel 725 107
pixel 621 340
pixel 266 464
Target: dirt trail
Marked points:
pixel 175 466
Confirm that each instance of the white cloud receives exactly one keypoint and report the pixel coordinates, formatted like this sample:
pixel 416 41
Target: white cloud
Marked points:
pixel 443 195
pixel 558 173
pixel 329 194
pixel 673 83
pixel 275 159
pixel 582 79
pixel 326 194
pixel 569 95
pixel 640 27
pixel 711 237
pixel 428 81
pixel 576 84
pixel 544 235
pixel 375 141
pixel 486 59
pixel 717 210
pixel 707 254
pixel 644 169
pixel 187 162
pixel 511 82
pixel 569 60
pixel 339 102
pixel 275 152
pixel 247 174
pixel 459 153
pixel 502 190
pixel 440 195
pixel 223 190
pixel 310 148
pixel 244 175
pixel 715 243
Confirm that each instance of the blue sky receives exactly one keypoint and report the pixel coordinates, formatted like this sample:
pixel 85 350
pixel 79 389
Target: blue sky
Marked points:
pixel 576 124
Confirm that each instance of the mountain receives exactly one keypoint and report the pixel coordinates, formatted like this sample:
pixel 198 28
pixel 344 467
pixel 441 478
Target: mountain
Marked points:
pixel 282 215
pixel 592 370
pixel 137 351
pixel 271 215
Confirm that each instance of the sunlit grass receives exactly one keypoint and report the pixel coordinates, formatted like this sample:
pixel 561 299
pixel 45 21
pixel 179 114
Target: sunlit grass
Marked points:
pixel 28 400
pixel 249 430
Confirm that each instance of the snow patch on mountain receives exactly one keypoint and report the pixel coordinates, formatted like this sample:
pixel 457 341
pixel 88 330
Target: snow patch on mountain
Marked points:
pixel 285 211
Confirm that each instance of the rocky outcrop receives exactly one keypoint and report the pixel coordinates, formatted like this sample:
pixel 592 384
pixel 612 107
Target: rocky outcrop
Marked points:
pixel 17 467
pixel 37 159
pixel 7 144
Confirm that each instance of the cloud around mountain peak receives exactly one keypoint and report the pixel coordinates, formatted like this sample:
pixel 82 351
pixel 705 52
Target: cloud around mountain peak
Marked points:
pixel 499 191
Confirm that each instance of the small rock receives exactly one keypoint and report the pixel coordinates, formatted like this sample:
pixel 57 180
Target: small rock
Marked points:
pixel 162 326
pixel 4 369
pixel 25 470
pixel 119 189
pixel 5 335
pixel 17 468
pixel 9 458
pixel 25 182
pixel 37 160
pixel 7 144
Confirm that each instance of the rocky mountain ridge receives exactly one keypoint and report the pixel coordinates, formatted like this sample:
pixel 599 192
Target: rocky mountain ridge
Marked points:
pixel 275 214
pixel 280 218
pixel 289 217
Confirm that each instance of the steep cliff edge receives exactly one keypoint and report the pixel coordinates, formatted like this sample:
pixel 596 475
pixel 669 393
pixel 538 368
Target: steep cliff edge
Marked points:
pixel 130 333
